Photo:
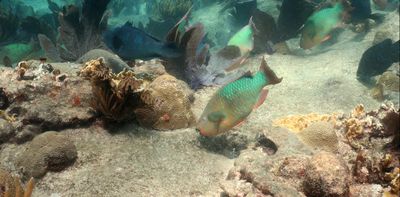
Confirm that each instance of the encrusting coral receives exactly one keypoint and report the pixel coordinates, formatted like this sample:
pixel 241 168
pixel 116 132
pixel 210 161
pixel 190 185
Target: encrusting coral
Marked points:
pixel 298 123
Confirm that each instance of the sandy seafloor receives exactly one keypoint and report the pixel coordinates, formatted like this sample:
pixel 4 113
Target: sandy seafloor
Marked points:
pixel 139 162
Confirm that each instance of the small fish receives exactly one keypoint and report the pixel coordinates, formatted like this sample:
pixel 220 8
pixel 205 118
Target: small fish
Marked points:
pixel 232 103
pixel 244 38
pixel 318 26
pixel 377 59
pixel 131 43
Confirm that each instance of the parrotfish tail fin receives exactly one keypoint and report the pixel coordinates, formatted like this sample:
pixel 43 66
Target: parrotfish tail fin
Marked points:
pixel 253 25
pixel 269 73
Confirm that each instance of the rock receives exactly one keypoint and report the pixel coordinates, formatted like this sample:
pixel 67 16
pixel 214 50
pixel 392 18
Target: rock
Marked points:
pixel 113 61
pixel 229 144
pixel 7 131
pixel 152 68
pixel 365 190
pixel 168 104
pixel 292 168
pixel 326 175
pixel 320 135
pixel 381 36
pixel 50 151
pixel 47 103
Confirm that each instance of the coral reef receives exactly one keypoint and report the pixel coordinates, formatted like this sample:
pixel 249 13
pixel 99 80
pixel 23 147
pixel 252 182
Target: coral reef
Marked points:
pixel 115 63
pixel 50 151
pixel 298 123
pixel 326 175
pixel 39 100
pixel 156 100
pixel 371 167
pixel 80 31
pixel 320 135
pixel 114 95
pixel 11 186
pixel 168 99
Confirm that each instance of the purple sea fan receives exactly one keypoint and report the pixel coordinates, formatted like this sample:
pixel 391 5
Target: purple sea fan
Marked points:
pixel 196 51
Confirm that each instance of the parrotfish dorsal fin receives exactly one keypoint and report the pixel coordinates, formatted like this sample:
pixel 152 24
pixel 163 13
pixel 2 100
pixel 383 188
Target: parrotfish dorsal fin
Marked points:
pixel 269 73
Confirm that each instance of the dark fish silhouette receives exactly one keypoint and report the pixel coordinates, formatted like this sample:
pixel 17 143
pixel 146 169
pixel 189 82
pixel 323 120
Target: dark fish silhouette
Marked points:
pixel 377 59
pixel 132 43
pixel 293 14
pixel 361 10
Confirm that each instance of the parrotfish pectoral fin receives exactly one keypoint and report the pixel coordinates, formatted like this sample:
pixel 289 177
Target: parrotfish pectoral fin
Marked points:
pixel 326 38
pixel 240 123
pixel 261 98
pixel 216 116
pixel 237 63
pixel 271 76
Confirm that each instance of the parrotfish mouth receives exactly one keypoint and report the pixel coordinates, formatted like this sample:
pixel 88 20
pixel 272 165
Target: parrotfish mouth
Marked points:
pixel 201 131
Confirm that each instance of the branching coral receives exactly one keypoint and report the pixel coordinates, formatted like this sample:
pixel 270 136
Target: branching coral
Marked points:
pixel 79 33
pixel 359 126
pixel 11 186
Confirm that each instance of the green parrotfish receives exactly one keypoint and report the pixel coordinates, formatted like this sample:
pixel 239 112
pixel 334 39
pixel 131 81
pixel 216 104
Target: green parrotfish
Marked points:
pixel 243 40
pixel 319 25
pixel 232 103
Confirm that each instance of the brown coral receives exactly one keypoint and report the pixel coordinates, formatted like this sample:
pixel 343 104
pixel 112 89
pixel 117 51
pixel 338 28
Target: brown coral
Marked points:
pixel 11 186
pixel 114 95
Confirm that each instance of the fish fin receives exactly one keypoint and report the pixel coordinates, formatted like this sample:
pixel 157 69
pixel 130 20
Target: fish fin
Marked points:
pixel 237 63
pixel 253 25
pixel 261 98
pixel 246 74
pixel 240 123
pixel 216 116
pixel 326 38
pixel 269 73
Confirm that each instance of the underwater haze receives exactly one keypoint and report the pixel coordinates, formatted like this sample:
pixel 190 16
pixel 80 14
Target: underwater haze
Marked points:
pixel 200 98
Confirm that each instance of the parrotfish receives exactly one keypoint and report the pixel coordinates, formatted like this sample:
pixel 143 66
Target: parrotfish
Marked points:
pixel 131 43
pixel 244 41
pixel 244 38
pixel 232 103
pixel 319 25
